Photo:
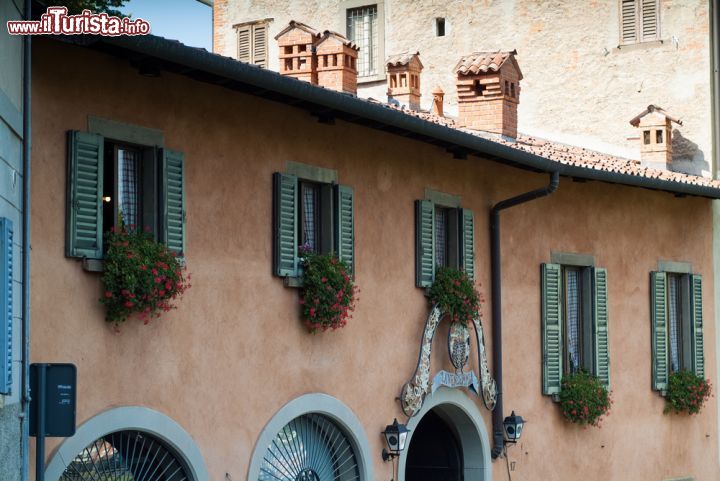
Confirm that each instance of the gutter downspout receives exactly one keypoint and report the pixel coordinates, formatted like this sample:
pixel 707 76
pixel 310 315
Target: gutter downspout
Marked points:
pixel 25 300
pixel 715 84
pixel 495 283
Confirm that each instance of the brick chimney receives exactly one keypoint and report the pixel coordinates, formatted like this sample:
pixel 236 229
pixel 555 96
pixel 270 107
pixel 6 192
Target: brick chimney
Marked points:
pixel 437 105
pixel 337 62
pixel 488 86
pixel 403 79
pixel 655 136
pixel 296 43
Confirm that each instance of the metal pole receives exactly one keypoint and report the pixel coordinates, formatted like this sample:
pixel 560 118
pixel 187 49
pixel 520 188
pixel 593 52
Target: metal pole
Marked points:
pixel 40 439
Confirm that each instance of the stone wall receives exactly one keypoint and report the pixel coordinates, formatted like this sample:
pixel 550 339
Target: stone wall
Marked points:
pixel 579 87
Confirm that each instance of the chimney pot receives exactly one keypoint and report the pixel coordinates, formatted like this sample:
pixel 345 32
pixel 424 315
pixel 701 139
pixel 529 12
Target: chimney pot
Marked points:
pixel 403 79
pixel 488 88
pixel 655 126
pixel 337 62
pixel 296 44
pixel 438 98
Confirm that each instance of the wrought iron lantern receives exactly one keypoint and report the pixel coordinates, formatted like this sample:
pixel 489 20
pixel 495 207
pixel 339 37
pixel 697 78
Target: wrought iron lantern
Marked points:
pixel 395 437
pixel 513 426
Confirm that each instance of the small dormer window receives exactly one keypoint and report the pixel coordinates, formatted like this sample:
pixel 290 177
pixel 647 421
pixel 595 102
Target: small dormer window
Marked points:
pixel 646 137
pixel 658 136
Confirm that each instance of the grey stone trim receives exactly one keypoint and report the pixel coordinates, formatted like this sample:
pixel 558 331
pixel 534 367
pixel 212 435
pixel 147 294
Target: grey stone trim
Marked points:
pixel 310 172
pixel 321 404
pixel 570 259
pixel 443 199
pixel 134 134
pixel 674 266
pixel 130 417
pixel 344 6
pixel 464 418
pixel 10 114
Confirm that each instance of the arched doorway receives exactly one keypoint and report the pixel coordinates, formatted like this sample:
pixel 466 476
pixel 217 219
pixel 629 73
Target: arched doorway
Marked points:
pixel 435 453
pixel 449 413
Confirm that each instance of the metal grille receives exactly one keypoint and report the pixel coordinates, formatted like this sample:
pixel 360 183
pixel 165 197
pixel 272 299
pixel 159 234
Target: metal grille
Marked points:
pixel 441 241
pixel 125 456
pixel 128 177
pixel 310 448
pixel 674 321
pixel 362 29
pixel 309 227
pixel 572 317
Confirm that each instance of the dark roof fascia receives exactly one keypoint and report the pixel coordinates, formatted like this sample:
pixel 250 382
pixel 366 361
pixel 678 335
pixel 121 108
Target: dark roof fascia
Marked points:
pixel 220 70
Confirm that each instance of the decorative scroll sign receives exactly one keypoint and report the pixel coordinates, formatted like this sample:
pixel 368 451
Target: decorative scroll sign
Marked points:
pixel 413 392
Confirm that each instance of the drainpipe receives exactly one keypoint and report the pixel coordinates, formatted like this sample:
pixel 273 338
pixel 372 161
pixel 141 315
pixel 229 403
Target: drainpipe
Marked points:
pixel 496 282
pixel 25 299
pixel 715 82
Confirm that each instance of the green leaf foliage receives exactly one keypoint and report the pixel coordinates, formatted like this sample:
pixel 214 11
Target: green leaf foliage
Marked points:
pixel 686 393
pixel 583 399
pixel 455 295
pixel 141 277
pixel 328 295
pixel 96 6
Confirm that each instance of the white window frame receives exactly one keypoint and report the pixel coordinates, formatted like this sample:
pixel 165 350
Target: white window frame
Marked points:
pixel 346 5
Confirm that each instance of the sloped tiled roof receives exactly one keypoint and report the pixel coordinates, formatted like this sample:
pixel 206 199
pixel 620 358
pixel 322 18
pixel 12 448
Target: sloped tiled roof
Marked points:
pixel 527 152
pixel 483 62
pixel 402 59
pixel 571 155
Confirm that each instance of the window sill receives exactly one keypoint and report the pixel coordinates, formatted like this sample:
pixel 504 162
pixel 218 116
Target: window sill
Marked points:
pixel 296 282
pixel 629 47
pixel 98 265
pixel 380 77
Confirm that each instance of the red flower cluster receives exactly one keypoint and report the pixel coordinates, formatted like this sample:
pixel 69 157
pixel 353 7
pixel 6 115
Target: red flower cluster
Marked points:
pixel 455 294
pixel 583 399
pixel 687 392
pixel 141 277
pixel 328 294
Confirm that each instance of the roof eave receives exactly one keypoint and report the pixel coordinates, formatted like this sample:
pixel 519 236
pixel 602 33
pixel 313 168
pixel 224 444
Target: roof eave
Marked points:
pixel 267 81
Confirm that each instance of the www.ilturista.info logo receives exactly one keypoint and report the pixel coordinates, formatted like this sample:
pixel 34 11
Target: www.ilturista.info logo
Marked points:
pixel 56 21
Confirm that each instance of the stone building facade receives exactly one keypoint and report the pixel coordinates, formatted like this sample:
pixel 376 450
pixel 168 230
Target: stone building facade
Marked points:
pixel 587 70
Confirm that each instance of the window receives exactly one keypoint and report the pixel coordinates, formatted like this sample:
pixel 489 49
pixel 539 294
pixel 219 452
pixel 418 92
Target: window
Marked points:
pixel 311 210
pixel 639 21
pixel 677 335
pixel 444 238
pixel 439 27
pixel 658 136
pixel 252 43
pixel 107 178
pixel 362 29
pixel 574 321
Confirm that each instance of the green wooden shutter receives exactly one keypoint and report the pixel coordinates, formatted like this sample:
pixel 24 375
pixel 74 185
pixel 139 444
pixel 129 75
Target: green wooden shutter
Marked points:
pixel 468 242
pixel 424 243
pixel 551 328
pixel 600 327
pixel 698 354
pixel 285 217
pixel 173 201
pixel 84 219
pixel 345 225
pixel 658 307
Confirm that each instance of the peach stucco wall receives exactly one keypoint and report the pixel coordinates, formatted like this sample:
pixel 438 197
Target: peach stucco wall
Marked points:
pixel 235 352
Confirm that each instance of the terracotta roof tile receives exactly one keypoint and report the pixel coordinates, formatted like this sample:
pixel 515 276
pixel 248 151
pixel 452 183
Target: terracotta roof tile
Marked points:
pixel 483 62
pixel 402 59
